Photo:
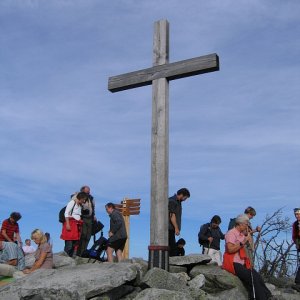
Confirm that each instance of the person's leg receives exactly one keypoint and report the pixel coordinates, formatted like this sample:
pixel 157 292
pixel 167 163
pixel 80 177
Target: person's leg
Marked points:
pixel 119 255
pixel 297 279
pixel 244 275
pixel 69 248
pixel 7 270
pixel 250 277
pixel 82 241
pixel 261 290
pixel 109 253
pixel 217 257
pixel 85 236
pixel 172 243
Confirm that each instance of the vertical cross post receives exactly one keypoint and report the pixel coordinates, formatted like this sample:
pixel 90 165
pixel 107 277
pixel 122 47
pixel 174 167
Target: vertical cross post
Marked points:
pixel 158 248
pixel 159 76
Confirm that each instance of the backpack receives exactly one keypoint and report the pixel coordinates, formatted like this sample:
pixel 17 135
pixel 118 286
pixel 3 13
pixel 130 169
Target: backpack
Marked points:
pixel 97 227
pixel 97 251
pixel 231 223
pixel 61 214
pixel 205 228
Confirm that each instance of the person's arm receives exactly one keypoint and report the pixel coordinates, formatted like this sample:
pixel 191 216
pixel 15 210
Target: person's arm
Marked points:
pixel 37 264
pixel 12 262
pixel 174 223
pixel 172 216
pixel 68 213
pixel 233 248
pixel 6 236
pixel 18 237
pixel 222 235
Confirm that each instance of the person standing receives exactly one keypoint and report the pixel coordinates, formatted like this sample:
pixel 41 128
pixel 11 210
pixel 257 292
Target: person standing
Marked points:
pixel 88 218
pixel 72 226
pixel 175 212
pixel 10 229
pixel 235 260
pixel 117 233
pixel 296 240
pixel 209 237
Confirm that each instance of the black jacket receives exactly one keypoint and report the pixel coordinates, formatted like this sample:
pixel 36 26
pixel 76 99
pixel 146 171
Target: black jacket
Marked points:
pixel 207 231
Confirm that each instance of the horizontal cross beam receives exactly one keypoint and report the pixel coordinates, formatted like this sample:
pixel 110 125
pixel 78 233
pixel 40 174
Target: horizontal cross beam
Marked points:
pixel 171 71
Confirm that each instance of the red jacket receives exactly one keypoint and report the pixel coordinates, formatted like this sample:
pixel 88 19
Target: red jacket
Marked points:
pixel 74 233
pixel 228 260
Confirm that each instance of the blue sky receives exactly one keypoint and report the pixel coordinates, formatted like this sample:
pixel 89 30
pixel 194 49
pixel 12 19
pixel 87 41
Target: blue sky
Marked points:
pixel 234 134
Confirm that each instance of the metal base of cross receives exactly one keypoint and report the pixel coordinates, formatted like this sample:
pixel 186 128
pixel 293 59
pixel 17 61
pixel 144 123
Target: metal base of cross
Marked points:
pixel 158 257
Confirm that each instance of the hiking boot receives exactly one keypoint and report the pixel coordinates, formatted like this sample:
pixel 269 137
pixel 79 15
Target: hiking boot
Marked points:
pixel 296 287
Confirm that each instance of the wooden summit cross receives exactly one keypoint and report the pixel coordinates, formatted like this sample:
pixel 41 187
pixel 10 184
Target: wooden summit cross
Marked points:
pixel 159 76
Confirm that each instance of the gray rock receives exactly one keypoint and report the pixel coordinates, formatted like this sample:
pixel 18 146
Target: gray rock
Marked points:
pixel 217 280
pixel 232 294
pixel 182 276
pixel 116 293
pixel 177 269
pixel 133 294
pixel 162 294
pixel 197 282
pixel 84 260
pixel 73 283
pixel 29 260
pixel 60 261
pixel 188 260
pixel 161 279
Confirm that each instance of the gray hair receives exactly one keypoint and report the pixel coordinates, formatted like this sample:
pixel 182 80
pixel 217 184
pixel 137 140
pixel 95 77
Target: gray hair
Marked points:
pixel 242 219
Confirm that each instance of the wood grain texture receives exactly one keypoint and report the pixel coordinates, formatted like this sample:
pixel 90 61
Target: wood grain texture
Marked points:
pixel 170 71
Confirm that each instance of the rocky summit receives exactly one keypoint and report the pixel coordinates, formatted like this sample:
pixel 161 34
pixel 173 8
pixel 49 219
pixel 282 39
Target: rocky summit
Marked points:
pixel 190 277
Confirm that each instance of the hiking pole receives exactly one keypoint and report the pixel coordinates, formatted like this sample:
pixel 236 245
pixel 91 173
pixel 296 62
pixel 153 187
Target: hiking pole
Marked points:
pixel 252 281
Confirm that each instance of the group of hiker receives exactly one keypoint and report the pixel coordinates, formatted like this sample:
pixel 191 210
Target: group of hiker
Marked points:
pixel 79 223
pixel 239 245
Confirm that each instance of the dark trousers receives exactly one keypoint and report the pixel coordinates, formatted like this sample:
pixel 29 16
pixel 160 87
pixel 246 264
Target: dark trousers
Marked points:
pixel 297 279
pixel 85 235
pixel 260 289
pixel 172 243
pixel 71 247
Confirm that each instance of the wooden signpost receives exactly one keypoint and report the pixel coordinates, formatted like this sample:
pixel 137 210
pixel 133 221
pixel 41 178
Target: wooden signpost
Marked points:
pixel 127 208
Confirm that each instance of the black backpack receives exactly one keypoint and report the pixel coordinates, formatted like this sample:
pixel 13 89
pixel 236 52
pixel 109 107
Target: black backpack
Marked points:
pixel 61 214
pixel 204 227
pixel 231 223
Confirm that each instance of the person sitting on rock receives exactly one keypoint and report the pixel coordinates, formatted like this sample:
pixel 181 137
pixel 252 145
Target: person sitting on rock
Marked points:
pixel 209 237
pixel 28 249
pixel 72 226
pixel 180 247
pixel 11 258
pixel 43 255
pixel 117 233
pixel 236 261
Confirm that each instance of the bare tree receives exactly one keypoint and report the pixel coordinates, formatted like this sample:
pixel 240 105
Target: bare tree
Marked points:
pixel 273 249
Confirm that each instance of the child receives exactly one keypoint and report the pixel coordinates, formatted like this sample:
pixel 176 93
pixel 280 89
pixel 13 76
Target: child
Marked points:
pixel 179 247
